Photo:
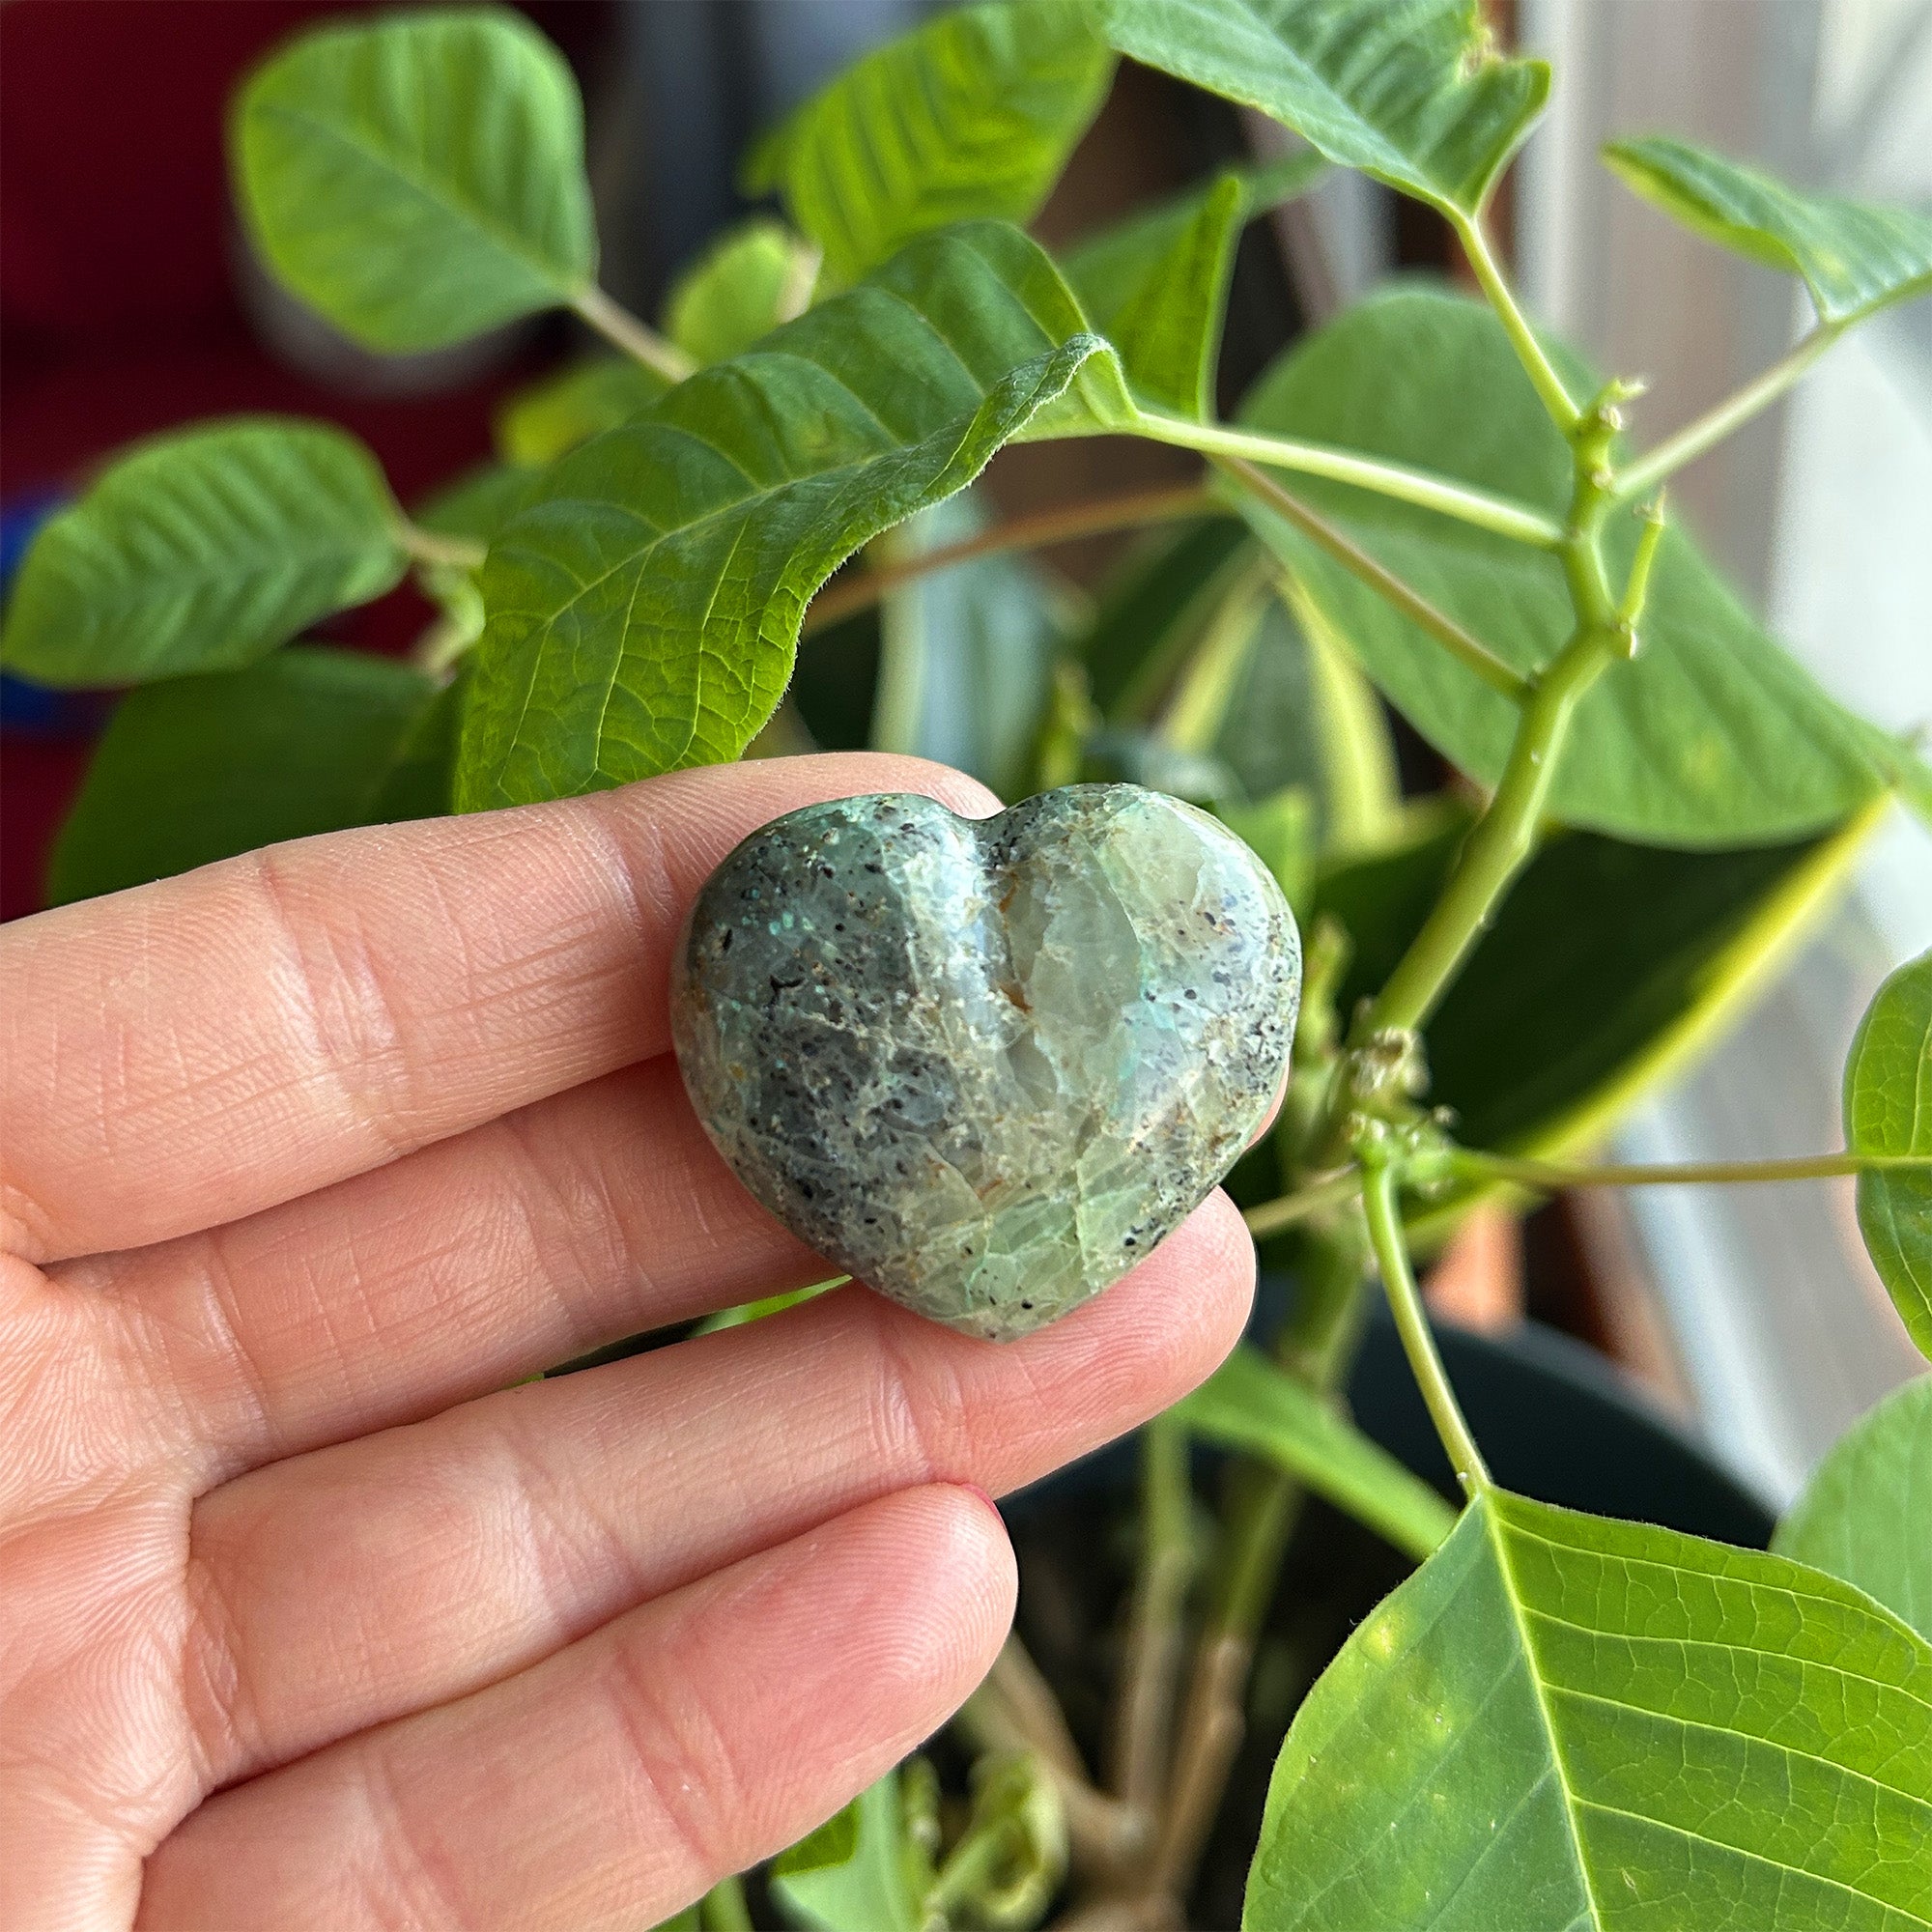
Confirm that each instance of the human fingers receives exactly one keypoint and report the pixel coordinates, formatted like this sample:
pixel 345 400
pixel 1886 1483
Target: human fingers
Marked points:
pixel 463 1268
pixel 440 1557
pixel 618 1779
pixel 196 1050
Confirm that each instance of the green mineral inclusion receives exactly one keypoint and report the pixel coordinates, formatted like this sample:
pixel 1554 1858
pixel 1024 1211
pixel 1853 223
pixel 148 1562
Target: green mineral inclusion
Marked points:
pixel 986 1065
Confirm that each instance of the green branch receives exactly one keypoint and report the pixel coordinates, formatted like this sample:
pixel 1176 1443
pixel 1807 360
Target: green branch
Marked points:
pixel 619 327
pixel 1541 372
pixel 1468 650
pixel 1412 1324
pixel 1504 836
pixel 1421 487
pixel 1715 424
pixel 1271 1217
pixel 432 547
pixel 1548 1176
pixel 1133 509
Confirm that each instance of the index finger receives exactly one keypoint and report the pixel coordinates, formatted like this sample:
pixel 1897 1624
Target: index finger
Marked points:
pixel 189 1052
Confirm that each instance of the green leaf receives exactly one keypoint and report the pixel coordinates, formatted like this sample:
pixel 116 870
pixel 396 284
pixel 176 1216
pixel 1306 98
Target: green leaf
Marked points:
pixel 1866 1514
pixel 644 606
pixel 201 550
pixel 1156 285
pixel 1412 91
pixel 1714 736
pixel 1888 1111
pixel 971 116
pixel 1566 1722
pixel 1152 612
pixel 1855 257
pixel 1248 1404
pixel 1611 968
pixel 476 505
pixel 197 769
pixel 966 654
pixel 853 1874
pixel 417 178
pixel 751 279
pixel 584 398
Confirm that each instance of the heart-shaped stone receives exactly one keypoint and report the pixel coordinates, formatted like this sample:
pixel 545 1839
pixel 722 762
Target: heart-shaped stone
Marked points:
pixel 986 1065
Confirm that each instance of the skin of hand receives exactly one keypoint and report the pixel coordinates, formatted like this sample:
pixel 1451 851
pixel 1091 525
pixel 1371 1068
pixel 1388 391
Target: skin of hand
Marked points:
pixel 314 1611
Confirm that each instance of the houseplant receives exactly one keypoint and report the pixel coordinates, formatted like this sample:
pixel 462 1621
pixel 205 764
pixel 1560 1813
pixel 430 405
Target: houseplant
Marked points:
pixel 1558 1718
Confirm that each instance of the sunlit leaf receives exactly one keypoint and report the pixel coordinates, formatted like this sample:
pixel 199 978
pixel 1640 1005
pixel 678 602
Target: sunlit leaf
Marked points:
pixel 1888 1112
pixel 1609 969
pixel 644 606
pixel 197 769
pixel 1156 284
pixel 749 280
pixel 1855 257
pixel 583 399
pixel 1566 1722
pixel 1866 1513
pixel 417 178
pixel 968 117
pixel 967 655
pixel 201 550
pixel 1248 1404
pixel 854 1873
pixel 1412 91
pixel 1714 736
pixel 1612 967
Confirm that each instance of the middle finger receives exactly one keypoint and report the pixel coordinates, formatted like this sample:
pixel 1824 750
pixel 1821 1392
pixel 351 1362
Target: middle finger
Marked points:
pixel 340 1589
pixel 461 1269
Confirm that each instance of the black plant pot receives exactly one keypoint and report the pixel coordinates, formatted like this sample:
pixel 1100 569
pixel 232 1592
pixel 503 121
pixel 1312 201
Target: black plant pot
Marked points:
pixel 1555 1421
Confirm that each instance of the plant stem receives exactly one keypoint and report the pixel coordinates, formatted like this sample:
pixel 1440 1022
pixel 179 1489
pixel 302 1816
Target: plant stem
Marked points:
pixel 1262 1508
pixel 1405 1299
pixel 1467 650
pixel 1271 1217
pixel 1696 438
pixel 1548 1174
pixel 1503 838
pixel 618 326
pixel 432 547
pixel 1498 848
pixel 1420 487
pixel 974 1860
pixel 1150 1669
pixel 1541 372
pixel 1035 532
pixel 723 1909
pixel 1016 1710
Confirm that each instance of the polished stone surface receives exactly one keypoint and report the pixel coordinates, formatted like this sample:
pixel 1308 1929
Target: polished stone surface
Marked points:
pixel 986 1065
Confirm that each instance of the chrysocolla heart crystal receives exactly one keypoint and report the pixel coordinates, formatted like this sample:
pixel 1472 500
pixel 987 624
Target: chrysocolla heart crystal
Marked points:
pixel 986 1065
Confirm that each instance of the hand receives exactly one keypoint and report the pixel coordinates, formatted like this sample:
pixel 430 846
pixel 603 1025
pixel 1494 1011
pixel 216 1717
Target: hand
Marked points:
pixel 309 1616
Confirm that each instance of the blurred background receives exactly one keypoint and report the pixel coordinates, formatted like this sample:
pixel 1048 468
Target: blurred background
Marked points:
pixel 128 304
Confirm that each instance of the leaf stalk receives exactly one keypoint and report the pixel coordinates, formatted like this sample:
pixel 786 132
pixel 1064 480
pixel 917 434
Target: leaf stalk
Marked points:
pixel 1412 1324
pixel 1499 515
pixel 1690 442
pixel 1537 365
pixel 1549 1175
pixel 619 327
pixel 1467 650
pixel 1038 531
